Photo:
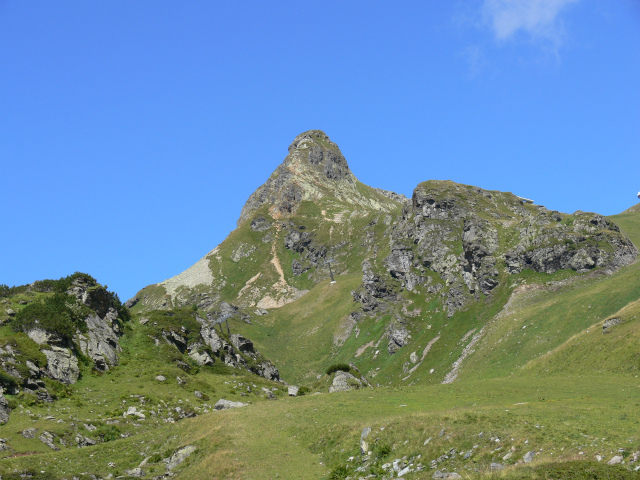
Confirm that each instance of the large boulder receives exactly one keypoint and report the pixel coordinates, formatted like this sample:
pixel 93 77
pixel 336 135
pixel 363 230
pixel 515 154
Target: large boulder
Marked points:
pixel 343 381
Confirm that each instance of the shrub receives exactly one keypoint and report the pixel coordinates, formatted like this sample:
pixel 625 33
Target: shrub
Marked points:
pixel 342 367
pixel 58 314
pixel 7 381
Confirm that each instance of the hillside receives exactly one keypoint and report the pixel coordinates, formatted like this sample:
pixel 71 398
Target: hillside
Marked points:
pixel 416 280
pixel 341 331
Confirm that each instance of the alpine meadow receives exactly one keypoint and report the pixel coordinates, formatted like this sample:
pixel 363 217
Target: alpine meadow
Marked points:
pixel 341 331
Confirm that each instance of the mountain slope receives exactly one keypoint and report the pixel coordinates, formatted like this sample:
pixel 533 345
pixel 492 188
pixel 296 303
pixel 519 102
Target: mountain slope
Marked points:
pixel 417 280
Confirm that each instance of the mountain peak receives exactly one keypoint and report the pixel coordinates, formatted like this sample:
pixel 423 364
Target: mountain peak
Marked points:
pixel 314 148
pixel 314 168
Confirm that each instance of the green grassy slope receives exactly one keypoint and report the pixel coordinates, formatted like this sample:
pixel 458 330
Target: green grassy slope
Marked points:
pixel 314 437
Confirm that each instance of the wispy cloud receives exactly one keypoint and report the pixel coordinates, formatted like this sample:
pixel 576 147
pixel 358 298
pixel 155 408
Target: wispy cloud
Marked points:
pixel 537 18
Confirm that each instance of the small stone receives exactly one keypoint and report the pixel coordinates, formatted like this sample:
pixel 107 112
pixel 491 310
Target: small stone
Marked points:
pixel 528 457
pixel 197 394
pixel 161 378
pixel 615 460
pixel 293 390
pixel 496 466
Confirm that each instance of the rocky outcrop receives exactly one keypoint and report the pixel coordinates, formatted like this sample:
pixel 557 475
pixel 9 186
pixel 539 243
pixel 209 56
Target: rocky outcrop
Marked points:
pixel 465 235
pixel 101 340
pixel 238 352
pixel 62 365
pixel 4 410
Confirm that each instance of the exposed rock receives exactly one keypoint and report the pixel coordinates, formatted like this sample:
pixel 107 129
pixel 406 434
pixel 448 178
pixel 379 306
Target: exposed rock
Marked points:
pixel 161 378
pixel 135 472
pixel 42 337
pixel 242 251
pixel 496 466
pixel 4 410
pixel 83 441
pixel 364 445
pixel 293 390
pixel 132 302
pixel 260 224
pixel 62 365
pixel 175 339
pixel 528 457
pixel 11 312
pixel 446 475
pixel 398 336
pixel 47 439
pixel 616 460
pixel 100 343
pixel 343 381
pixel 610 322
pixel 179 456
pixel 200 357
pixel 29 433
pixel 223 404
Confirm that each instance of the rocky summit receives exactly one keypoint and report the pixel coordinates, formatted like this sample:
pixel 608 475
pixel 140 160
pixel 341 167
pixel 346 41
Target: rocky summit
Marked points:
pixel 453 334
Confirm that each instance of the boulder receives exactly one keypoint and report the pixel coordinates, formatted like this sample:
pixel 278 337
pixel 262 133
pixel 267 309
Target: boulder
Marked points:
pixel 62 365
pixel 528 457
pixel 616 460
pixel 223 404
pixel 343 381
pixel 293 390
pixel 179 456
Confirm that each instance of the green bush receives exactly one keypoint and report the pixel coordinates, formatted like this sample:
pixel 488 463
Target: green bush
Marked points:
pixel 303 390
pixel 108 433
pixel 336 367
pixel 59 314
pixel 6 291
pixel 7 381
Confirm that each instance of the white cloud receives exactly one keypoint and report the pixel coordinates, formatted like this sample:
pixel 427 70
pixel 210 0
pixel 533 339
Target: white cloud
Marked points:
pixel 538 18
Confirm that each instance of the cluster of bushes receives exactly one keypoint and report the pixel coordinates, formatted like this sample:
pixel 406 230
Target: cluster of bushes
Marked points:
pixel 338 367
pixel 6 291
pixel 179 320
pixel 59 314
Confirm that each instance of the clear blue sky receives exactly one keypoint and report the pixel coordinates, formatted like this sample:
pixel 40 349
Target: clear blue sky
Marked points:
pixel 132 132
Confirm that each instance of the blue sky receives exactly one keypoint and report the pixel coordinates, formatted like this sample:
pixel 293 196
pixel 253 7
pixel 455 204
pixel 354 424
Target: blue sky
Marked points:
pixel 131 133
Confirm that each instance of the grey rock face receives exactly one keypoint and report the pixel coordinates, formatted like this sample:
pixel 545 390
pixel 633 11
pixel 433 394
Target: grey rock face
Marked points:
pixel 344 381
pixel 398 336
pixel 101 343
pixel 4 410
pixel 492 229
pixel 62 365
pixel 47 439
